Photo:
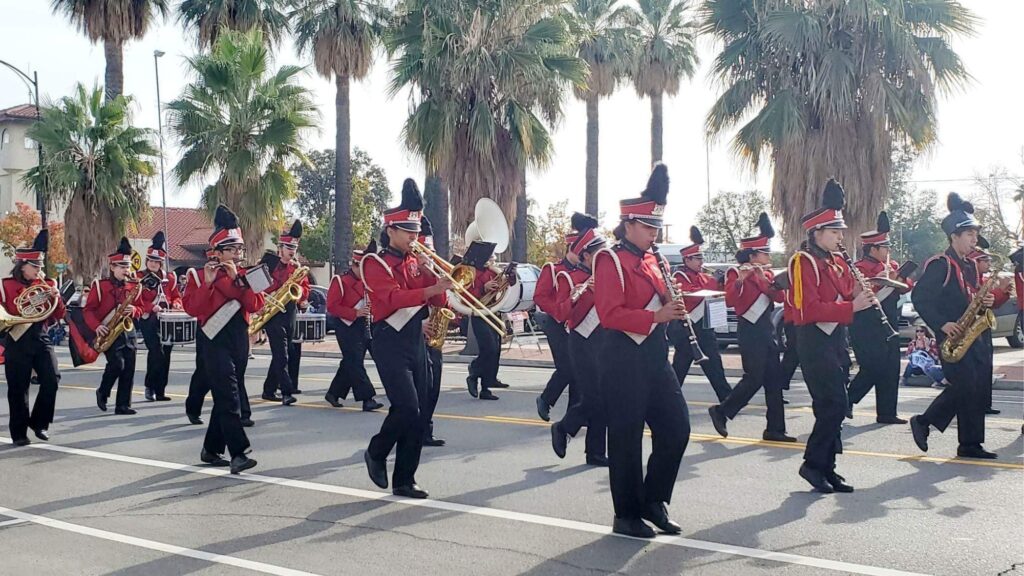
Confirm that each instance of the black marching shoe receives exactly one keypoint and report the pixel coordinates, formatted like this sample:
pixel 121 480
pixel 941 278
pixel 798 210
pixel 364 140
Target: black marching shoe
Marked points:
pixel 890 420
pixel 333 400
pixel 212 459
pixel 486 394
pixel 433 442
pixel 499 384
pixel 192 419
pixel 657 513
pixel 271 397
pixel 288 400
pixel 371 405
pixel 849 411
pixel 247 423
pixel 241 463
pixel 377 469
pixel 41 434
pixel 559 439
pixel 777 436
pixel 296 391
pixel 597 460
pixel 410 491
pixel 816 479
pixel 162 398
pixel 634 527
pixel 975 451
pixel 473 385
pixel 992 411
pixel 543 410
pixel 718 420
pixel 150 397
pixel 22 442
pixel 920 431
pixel 838 483
pixel 124 411
pixel 101 401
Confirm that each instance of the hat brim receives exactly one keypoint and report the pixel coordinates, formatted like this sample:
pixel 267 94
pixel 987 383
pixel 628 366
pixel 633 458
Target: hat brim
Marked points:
pixel 408 226
pixel 650 222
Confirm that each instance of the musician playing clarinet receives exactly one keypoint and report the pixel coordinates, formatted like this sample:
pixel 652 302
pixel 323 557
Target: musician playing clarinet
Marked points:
pixel 751 290
pixel 159 293
pixel 634 305
pixel 552 312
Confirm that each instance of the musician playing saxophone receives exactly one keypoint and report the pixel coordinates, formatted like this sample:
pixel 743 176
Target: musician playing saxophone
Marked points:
pixel 105 297
pixel 27 347
pixel 283 373
pixel 983 260
pixel 943 293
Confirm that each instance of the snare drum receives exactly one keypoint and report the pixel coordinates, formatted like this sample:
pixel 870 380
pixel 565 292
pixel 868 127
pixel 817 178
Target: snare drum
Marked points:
pixel 177 328
pixel 309 327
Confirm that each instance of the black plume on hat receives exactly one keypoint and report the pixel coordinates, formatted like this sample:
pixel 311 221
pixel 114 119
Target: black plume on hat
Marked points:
pixel 983 243
pixel 1017 258
pixel 954 202
pixel 371 248
pixel 581 221
pixel 42 241
pixel 657 185
pixel 695 236
pixel 296 229
pixel 125 247
pixel 882 225
pixel 426 229
pixel 412 199
pixel 225 218
pixel 833 197
pixel 764 224
pixel 159 239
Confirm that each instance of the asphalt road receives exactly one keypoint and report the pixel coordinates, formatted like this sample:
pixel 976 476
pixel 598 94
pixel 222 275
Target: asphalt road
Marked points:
pixel 125 495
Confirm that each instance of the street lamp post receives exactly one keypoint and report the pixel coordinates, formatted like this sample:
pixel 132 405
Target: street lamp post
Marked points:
pixel 160 127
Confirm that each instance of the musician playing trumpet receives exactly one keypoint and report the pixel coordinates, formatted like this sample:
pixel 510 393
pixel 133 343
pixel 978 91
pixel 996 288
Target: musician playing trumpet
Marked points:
pixel 159 293
pixel 751 291
pixel 27 347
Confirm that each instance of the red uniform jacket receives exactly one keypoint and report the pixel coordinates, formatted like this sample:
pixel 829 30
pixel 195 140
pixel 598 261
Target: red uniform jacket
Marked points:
pixel 691 281
pixel 822 289
pixel 394 282
pixel 482 277
pixel 345 292
pixel 11 288
pixel 1001 296
pixel 567 282
pixel 742 295
pixel 546 294
pixel 203 300
pixel 105 295
pixel 170 289
pixel 788 314
pixel 872 268
pixel 625 283
pixel 1018 281
pixel 280 275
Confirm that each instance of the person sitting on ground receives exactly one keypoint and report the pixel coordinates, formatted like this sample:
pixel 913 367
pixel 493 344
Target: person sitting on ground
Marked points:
pixel 923 358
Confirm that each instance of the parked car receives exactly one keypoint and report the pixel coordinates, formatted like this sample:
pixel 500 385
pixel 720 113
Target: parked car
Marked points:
pixel 1008 324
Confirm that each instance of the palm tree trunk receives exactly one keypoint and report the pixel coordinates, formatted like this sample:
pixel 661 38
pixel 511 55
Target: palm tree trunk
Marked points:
pixel 593 146
pixel 114 75
pixel 342 176
pixel 435 196
pixel 656 127
pixel 519 227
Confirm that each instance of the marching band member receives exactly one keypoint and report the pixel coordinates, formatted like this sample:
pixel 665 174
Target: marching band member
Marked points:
pixel 552 323
pixel 346 300
pixel 483 370
pixel 221 301
pixel 823 298
pixel 159 293
pixel 285 354
pixel 983 261
pixel 399 291
pixel 692 278
pixel 1017 259
pixel 584 342
pixel 103 300
pixel 435 357
pixel 634 304
pixel 751 290
pixel 27 347
pixel 878 355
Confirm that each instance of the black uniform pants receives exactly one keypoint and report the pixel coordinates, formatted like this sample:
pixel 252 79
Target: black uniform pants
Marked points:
pixel 294 360
pixel 790 358
pixel 589 409
pixel 878 360
pixel 199 386
pixel 821 363
pixel 278 330
pixel 225 358
pixel 402 365
pixel 639 387
pixel 962 399
pixel 32 351
pixel 985 379
pixel 485 365
pixel 558 342
pixel 121 369
pixel 761 369
pixel 158 356
pixel 683 359
pixel 435 363
pixel 351 374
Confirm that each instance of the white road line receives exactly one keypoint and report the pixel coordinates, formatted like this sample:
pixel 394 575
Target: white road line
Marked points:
pixel 536 519
pixel 14 522
pixel 153 545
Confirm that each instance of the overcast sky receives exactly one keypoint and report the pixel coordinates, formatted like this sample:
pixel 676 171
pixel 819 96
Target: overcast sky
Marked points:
pixel 979 129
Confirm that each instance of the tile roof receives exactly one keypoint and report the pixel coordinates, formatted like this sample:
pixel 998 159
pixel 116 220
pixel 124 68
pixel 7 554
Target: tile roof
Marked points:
pixel 19 112
pixel 188 230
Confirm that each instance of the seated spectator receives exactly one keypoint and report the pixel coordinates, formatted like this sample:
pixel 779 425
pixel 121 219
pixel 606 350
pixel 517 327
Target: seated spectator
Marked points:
pixel 923 358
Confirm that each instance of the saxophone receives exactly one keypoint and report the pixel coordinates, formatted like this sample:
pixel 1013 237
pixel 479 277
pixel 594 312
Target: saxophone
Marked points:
pixel 119 323
pixel 275 303
pixel 975 320
pixel 437 325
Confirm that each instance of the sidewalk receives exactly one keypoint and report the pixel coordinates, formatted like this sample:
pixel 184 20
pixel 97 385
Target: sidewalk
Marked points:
pixel 1008 361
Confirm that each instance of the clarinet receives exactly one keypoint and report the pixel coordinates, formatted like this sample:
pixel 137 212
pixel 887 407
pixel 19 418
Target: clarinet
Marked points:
pixel 368 321
pixel 864 285
pixel 677 296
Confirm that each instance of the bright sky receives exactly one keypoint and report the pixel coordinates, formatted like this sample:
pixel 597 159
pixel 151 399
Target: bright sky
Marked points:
pixel 979 129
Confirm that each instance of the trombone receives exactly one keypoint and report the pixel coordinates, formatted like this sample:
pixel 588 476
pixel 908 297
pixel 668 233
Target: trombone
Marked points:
pixel 444 269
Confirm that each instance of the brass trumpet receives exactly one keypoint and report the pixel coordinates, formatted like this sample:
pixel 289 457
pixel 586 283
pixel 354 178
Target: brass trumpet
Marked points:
pixel 460 284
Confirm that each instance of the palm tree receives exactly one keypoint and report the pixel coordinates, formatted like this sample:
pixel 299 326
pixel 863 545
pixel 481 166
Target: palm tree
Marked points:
pixel 100 165
pixel 239 124
pixel 604 42
pixel 207 19
pixel 114 22
pixel 486 78
pixel 828 88
pixel 665 55
pixel 341 35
